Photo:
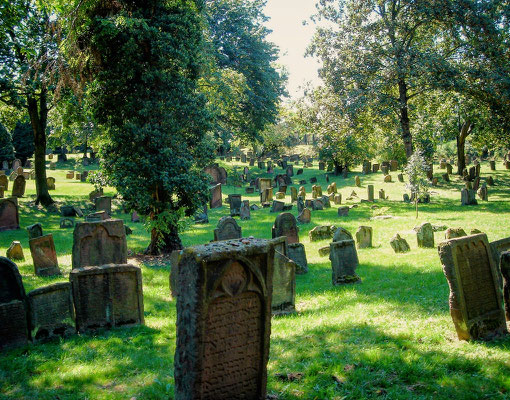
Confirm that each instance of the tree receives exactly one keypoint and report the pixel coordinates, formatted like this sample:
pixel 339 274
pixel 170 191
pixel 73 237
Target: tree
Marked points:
pixel 23 140
pixel 6 150
pixel 240 50
pixel 146 59
pixel 378 55
pixel 28 53
pixel 416 170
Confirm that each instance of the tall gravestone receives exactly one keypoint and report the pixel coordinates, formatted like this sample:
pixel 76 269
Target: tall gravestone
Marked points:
pixel 14 322
pixel 364 237
pixel 44 256
pixel 476 299
pixel 344 261
pixel 224 320
pixel 286 225
pixel 504 266
pixel 227 229
pixel 99 243
pixel 9 214
pixel 4 181
pixel 218 174
pixel 244 211
pixel 235 204
pixel 18 188
pixel 107 296
pixel 284 280
pixel 52 311
pixel 104 203
pixel 216 200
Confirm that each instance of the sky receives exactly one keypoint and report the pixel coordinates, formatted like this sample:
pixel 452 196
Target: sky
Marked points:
pixel 292 37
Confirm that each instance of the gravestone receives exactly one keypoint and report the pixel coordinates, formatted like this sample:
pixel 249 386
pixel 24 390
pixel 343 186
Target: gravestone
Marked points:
pixel 15 251
pixel 293 194
pixel 393 165
pixel 367 168
pixel 99 243
pixel 16 164
pixel 14 319
pixel 34 231
pixel 357 181
pixel 97 216
pixel 286 225
pixel 492 165
pixel 483 193
pixel 449 169
pixel 453 233
pixel 107 296
pixel 50 181
pixel 104 203
pixel 337 199
pixel 4 181
pixel 300 204
pixel 344 261
pixel 215 197
pixel 70 175
pixel 385 169
pixel 499 246
pixel 476 301
pixel 52 311
pixel 425 235
pixel 290 171
pixel 235 204
pixel 18 188
pixel 468 197
pixel 343 211
pixel 504 267
pixel 218 174
pixel 382 194
pixel 296 252
pixel 283 300
pixel 364 237
pixel 227 229
pixel 332 188
pixel 223 353
pixel 244 211
pixel 313 179
pixel 317 205
pixel 387 178
pixel 321 232
pixel 399 244
pixel 44 256
pixel 277 206
pixel 66 223
pixel 95 193
pixel 370 190
pixel 375 168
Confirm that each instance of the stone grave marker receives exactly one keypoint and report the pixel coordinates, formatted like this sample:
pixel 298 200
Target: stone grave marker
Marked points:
pixel 286 225
pixel 382 194
pixel 16 164
pixel 289 171
pixel 305 216
pixel 84 176
pixel 215 197
pixel 504 267
pixel 343 211
pixel 483 193
pixel 50 181
pixel 52 311
pixel 18 188
pixel 223 354
pixel 283 300
pixel 344 261
pixel 476 300
pixel 14 319
pixel 453 233
pixel 97 216
pixel 235 202
pixel 4 181
pixel 492 165
pixel 35 230
pixel 104 203
pixel 277 206
pixel 99 243
pixel 266 196
pixel 375 168
pixel 468 197
pixel 107 296
pixel 321 232
pixel 70 175
pixel 218 174
pixel 296 252
pixel 293 194
pixel 244 211
pixel 364 237
pixel 227 229
pixel 370 192
pixel 66 223
pixel 15 251
pixel 357 181
pixel 44 256
pixel 399 244
pixel 425 235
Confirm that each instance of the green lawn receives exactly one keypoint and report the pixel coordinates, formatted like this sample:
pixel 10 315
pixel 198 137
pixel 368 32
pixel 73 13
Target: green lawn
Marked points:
pixel 390 337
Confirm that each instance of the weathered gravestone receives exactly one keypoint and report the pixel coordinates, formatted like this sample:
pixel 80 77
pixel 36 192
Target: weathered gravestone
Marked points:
pixel 235 204
pixel 476 300
pixel 215 197
pixel 453 233
pixel 399 244
pixel 224 320
pixel 4 181
pixel 468 197
pixel 283 300
pixel 97 216
pixel 504 267
pixel 44 256
pixel 370 192
pixel 18 188
pixel 305 216
pixel 425 235
pixel 15 251
pixel 297 253
pixel 293 194
pixel 343 211
pixel 52 311
pixel 218 174
pixel 16 164
pixel 321 232
pixel 344 261
pixel 104 203
pixel 286 225
pixel 50 181
pixel 66 223
pixel 227 229
pixel 357 181
pixel 99 243
pixel 277 206
pixel 266 196
pixel 244 211
pixel 364 237
pixel 34 231
pixel 14 319
pixel 107 296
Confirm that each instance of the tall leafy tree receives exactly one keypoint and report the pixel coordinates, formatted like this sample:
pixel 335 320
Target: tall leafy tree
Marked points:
pixel 145 60
pixel 23 140
pixel 238 44
pixel 6 149
pixel 28 55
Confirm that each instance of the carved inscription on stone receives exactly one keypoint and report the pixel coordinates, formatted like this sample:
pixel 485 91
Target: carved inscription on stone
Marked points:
pixel 44 256
pixel 9 218
pixel 476 299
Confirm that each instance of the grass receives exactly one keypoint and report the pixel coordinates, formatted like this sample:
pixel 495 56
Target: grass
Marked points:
pixel 390 337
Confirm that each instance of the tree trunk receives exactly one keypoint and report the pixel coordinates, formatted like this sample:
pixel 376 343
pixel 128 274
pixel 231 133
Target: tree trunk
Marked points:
pixel 464 132
pixel 171 241
pixel 404 118
pixel 338 168
pixel 38 119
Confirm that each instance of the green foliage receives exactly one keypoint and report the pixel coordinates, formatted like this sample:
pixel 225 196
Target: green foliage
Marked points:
pixel 147 62
pixel 98 179
pixel 416 170
pixel 23 140
pixel 6 149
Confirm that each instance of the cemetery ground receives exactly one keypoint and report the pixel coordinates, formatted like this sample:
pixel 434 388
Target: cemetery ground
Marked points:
pixel 389 337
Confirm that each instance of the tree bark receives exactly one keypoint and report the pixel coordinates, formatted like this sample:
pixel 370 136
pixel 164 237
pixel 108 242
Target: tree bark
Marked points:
pixel 404 118
pixel 464 132
pixel 171 241
pixel 38 118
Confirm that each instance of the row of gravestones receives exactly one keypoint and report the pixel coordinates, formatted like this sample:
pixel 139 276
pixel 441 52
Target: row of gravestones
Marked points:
pixel 18 187
pixel 103 291
pixel 15 165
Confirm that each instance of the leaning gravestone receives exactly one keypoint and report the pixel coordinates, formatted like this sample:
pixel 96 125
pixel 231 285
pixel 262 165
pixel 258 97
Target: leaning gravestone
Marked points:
pixel 399 244
pixel 224 320
pixel 99 243
pixel 227 229
pixel 52 311
pixel 107 296
pixel 284 280
pixel 321 232
pixel 504 267
pixel 34 231
pixel 216 198
pixel 14 322
pixel 104 203
pixel 425 235
pixel 286 225
pixel 344 261
pixel 476 300
pixel 18 188
pixel 44 256
pixel 364 237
